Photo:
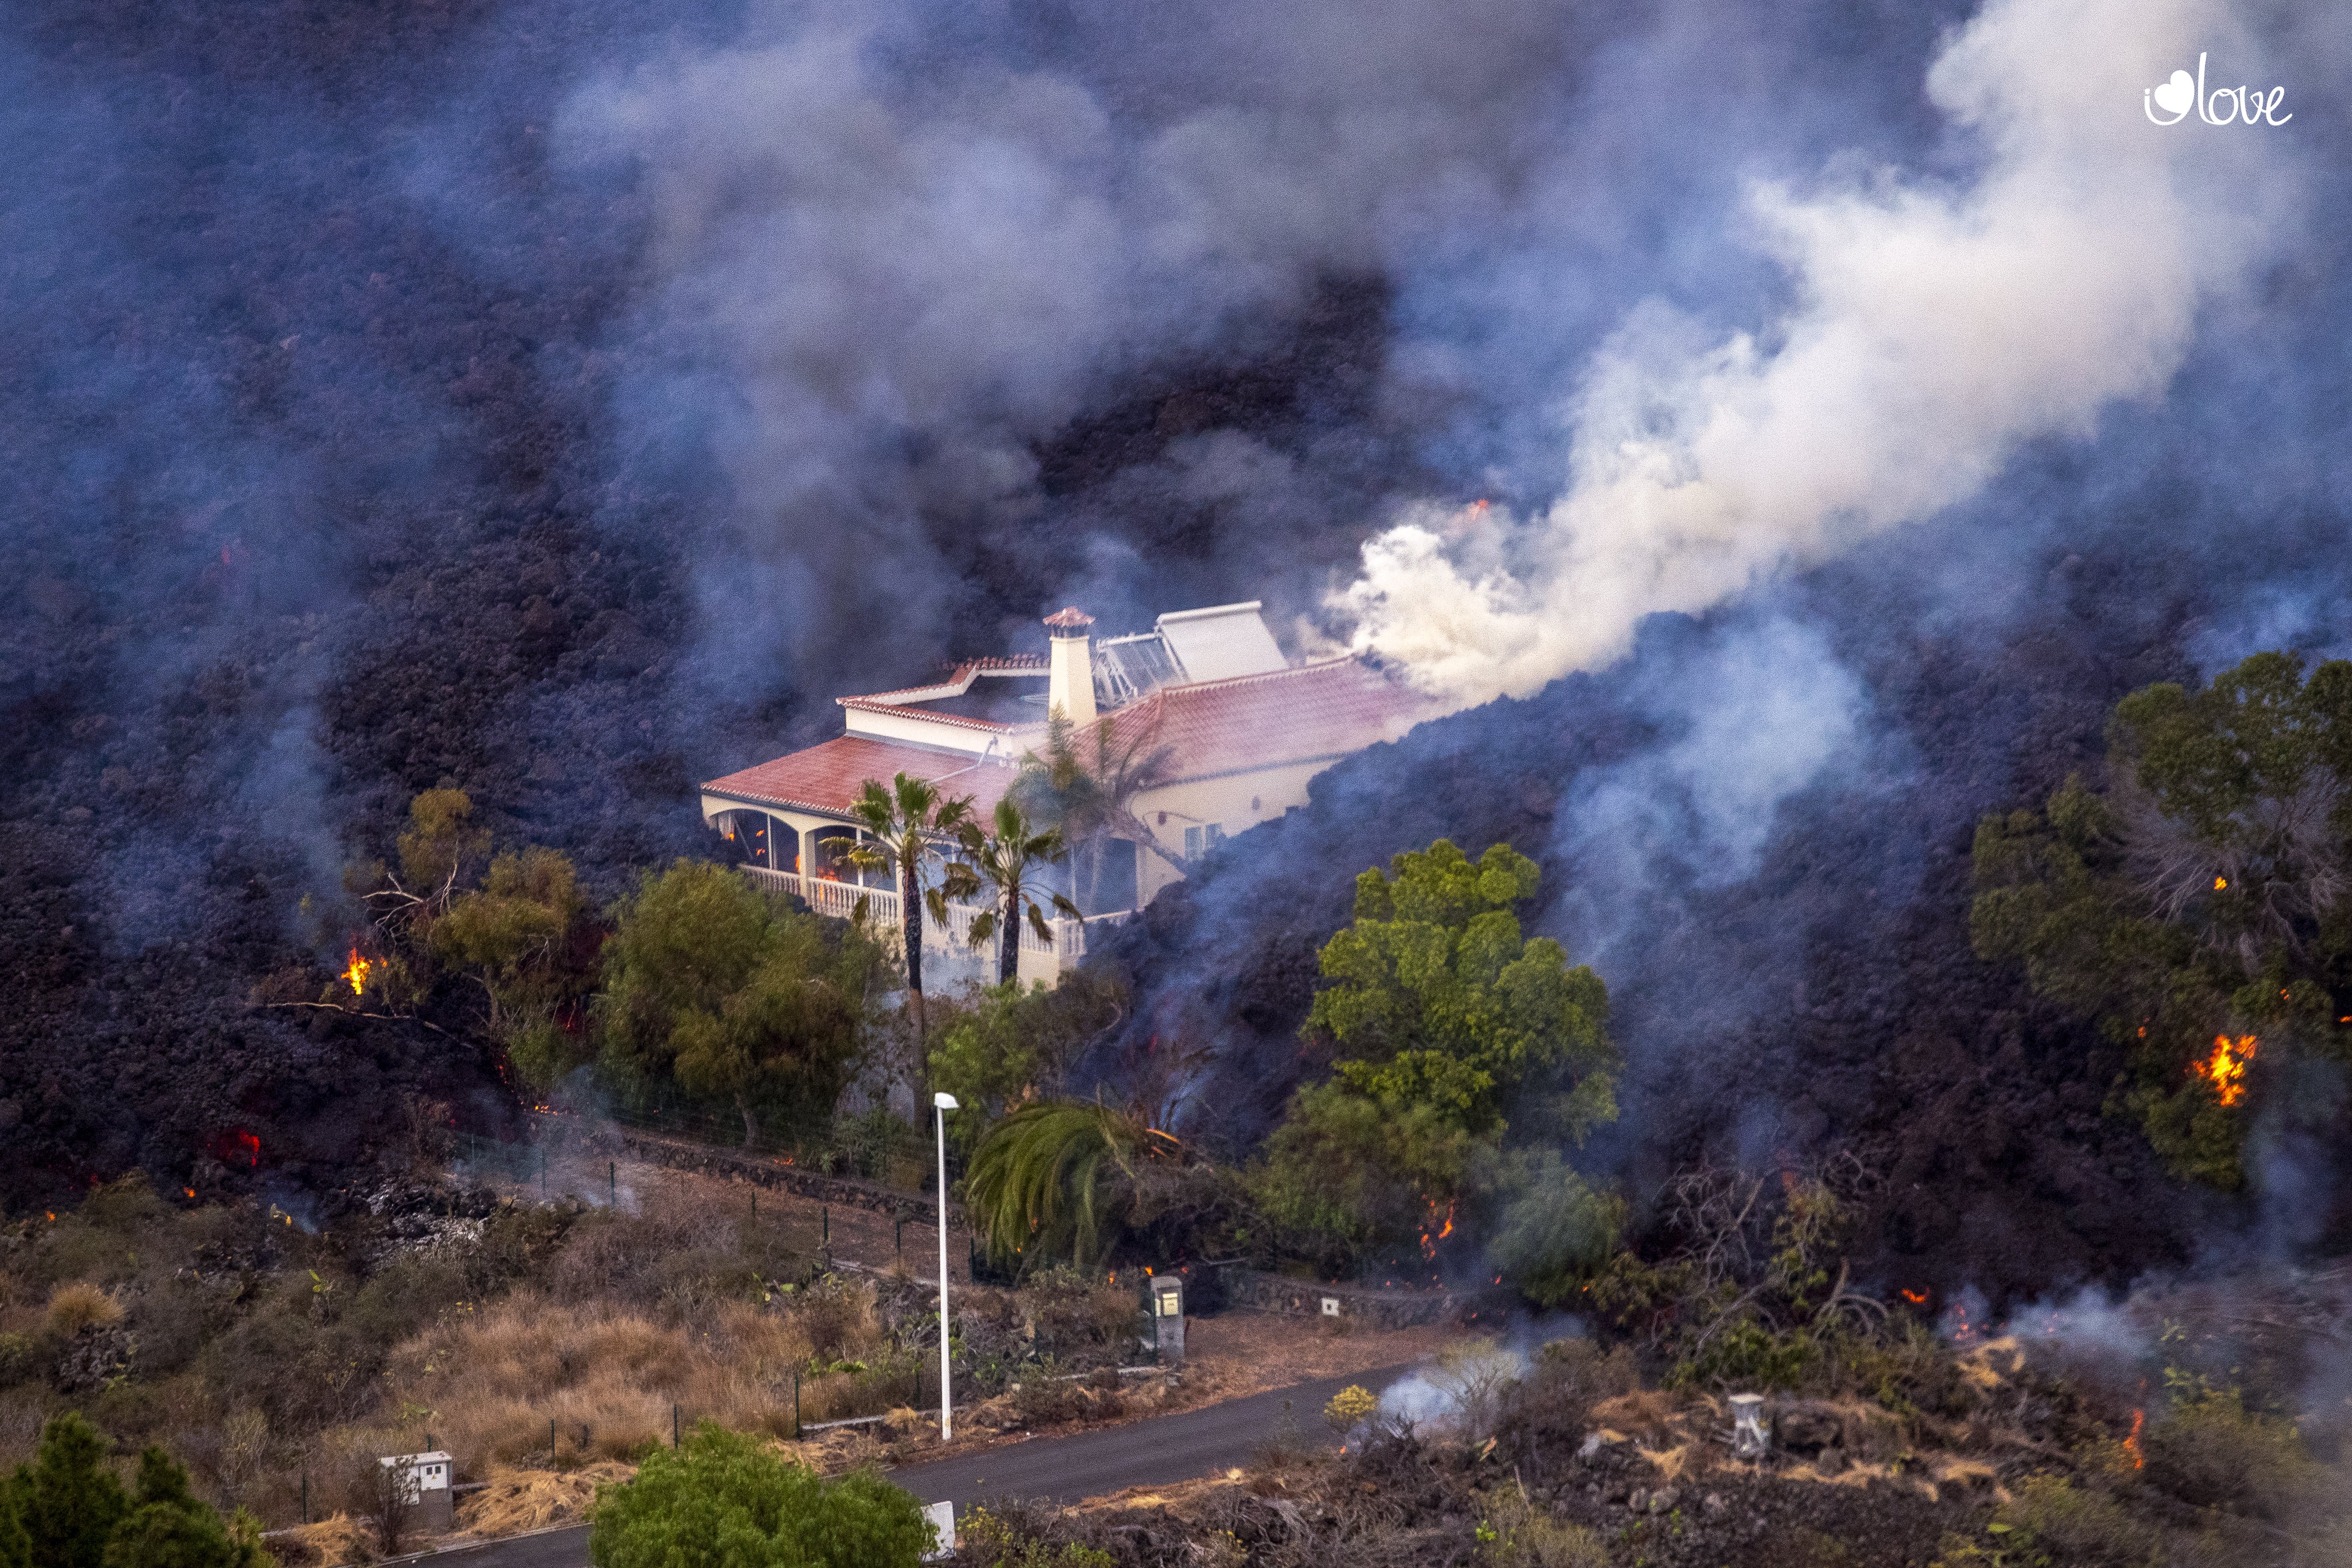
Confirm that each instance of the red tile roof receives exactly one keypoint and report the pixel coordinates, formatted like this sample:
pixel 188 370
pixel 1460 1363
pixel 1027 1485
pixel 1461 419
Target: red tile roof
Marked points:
pixel 827 778
pixel 957 681
pixel 1302 714
pixel 1310 713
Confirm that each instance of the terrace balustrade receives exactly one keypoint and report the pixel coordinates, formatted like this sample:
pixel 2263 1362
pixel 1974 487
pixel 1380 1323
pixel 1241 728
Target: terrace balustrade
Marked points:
pixel 1041 960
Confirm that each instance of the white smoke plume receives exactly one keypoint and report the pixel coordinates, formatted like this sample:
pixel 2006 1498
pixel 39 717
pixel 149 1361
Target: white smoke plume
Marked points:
pixel 1936 323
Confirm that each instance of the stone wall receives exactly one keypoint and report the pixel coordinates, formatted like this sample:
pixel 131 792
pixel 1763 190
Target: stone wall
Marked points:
pixel 845 1191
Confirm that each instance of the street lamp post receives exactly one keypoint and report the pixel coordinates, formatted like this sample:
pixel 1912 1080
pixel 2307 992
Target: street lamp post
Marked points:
pixel 941 1103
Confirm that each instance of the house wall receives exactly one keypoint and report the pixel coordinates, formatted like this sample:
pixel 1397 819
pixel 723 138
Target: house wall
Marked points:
pixel 1235 802
pixel 914 726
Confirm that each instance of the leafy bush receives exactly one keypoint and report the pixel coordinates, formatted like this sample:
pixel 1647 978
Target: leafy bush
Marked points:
pixel 2213 1452
pixel 1015 1044
pixel 2201 896
pixel 1350 1408
pixel 715 986
pixel 1518 1534
pixel 2052 1522
pixel 1003 1537
pixel 720 1498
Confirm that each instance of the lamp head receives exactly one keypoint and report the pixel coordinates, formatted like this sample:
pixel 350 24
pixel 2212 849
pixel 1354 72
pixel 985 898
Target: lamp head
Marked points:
pixel 945 1101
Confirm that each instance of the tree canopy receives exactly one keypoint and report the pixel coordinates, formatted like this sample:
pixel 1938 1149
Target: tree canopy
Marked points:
pixel 1465 1045
pixel 66 1509
pixel 710 980
pixel 2199 905
pixel 1440 1000
pixel 724 1501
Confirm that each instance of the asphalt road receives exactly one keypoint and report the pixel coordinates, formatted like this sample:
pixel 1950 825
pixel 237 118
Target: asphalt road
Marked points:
pixel 1155 1452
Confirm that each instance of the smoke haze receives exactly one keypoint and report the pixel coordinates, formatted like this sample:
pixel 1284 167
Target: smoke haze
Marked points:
pixel 1937 322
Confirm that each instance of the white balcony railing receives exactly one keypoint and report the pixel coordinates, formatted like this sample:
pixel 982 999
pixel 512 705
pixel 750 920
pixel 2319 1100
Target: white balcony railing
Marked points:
pixel 840 901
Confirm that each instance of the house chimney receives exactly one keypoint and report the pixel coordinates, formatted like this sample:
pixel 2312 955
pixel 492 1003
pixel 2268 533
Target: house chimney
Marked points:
pixel 1070 678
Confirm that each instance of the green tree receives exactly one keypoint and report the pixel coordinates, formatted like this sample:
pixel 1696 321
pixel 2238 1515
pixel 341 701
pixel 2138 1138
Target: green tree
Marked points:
pixel 169 1527
pixel 67 1501
pixel 1006 860
pixel 1053 1181
pixel 1344 1173
pixel 1551 1229
pixel 521 935
pixel 1015 1044
pixel 724 1500
pixel 911 822
pixel 2199 906
pixel 1439 999
pixel 709 981
pixel 1445 1015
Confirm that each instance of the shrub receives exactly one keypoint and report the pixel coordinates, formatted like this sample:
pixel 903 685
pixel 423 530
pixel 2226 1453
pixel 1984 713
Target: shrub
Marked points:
pixel 723 1497
pixel 81 1305
pixel 1350 1407
pixel 1071 1310
pixel 1520 1535
pixel 1003 1538
pixel 2213 1452
pixel 1552 1404
pixel 2051 1521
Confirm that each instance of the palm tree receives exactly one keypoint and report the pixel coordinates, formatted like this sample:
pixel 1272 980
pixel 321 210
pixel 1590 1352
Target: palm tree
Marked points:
pixel 1057 1180
pixel 910 821
pixel 1084 786
pixel 1005 860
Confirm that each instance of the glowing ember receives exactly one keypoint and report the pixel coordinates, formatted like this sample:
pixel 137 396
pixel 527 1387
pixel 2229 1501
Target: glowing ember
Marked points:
pixel 1916 1298
pixel 2131 1444
pixel 2220 883
pixel 357 974
pixel 1429 1238
pixel 2225 1069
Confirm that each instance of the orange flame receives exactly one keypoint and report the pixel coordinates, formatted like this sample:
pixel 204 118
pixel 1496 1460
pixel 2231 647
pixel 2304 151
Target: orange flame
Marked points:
pixel 1916 1298
pixel 2225 1069
pixel 2131 1444
pixel 2220 883
pixel 357 974
pixel 1429 1241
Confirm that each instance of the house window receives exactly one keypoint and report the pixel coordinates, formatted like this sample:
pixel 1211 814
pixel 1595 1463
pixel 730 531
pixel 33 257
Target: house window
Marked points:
pixel 1199 841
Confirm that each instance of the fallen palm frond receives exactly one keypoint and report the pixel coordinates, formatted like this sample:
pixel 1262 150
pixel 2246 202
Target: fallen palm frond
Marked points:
pixel 1053 1181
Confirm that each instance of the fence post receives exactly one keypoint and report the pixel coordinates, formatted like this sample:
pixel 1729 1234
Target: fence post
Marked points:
pixel 827 1213
pixel 612 1183
pixel 306 1497
pixel 550 1442
pixel 899 1238
pixel 796 1404
pixel 673 1426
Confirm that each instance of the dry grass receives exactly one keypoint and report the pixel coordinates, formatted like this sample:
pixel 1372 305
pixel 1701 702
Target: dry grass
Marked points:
pixel 334 1540
pixel 516 1500
pixel 81 1305
pixel 488 1382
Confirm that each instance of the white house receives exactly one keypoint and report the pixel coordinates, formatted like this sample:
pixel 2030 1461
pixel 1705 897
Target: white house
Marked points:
pixel 1236 729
